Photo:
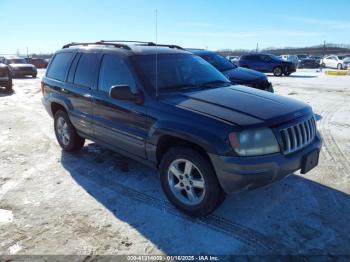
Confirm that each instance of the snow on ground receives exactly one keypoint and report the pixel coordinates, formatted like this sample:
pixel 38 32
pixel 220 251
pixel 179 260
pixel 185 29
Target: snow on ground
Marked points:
pixel 87 203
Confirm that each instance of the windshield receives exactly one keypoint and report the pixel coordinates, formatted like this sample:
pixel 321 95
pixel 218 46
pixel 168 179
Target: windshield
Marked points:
pixel 17 61
pixel 177 71
pixel 219 62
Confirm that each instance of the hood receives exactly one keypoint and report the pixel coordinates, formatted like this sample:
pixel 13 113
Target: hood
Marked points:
pixel 3 65
pixel 241 74
pixel 21 65
pixel 240 105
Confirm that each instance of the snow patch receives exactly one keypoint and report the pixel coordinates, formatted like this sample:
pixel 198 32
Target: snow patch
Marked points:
pixel 14 248
pixel 6 216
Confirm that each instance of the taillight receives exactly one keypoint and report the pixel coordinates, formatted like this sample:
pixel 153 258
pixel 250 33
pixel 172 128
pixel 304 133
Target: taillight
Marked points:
pixel 42 87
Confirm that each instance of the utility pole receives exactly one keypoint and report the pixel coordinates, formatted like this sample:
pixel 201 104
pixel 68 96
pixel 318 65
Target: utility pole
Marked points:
pixel 324 47
pixel 257 47
pixel 27 52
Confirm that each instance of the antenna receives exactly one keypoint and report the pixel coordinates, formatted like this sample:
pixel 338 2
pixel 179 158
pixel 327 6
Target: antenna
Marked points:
pixel 156 53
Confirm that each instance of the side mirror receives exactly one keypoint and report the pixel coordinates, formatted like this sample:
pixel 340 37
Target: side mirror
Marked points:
pixel 123 92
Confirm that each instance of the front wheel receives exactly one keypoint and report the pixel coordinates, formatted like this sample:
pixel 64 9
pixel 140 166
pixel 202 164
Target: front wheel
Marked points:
pixel 189 182
pixel 277 71
pixel 9 84
pixel 339 67
pixel 66 134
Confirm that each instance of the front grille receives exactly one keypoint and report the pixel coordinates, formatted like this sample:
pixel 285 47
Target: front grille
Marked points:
pixel 298 136
pixel 263 85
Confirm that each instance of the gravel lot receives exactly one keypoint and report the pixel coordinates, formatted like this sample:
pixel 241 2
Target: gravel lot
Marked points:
pixel 97 202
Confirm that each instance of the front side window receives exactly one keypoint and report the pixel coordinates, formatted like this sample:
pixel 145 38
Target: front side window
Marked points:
pixel 85 73
pixel 176 71
pixel 114 71
pixel 59 65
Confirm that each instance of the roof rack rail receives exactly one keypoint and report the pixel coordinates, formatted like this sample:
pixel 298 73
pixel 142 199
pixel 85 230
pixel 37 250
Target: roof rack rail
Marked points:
pixel 170 46
pixel 97 43
pixel 124 41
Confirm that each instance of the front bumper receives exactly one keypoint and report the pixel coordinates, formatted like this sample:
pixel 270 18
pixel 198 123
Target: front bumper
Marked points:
pixel 240 173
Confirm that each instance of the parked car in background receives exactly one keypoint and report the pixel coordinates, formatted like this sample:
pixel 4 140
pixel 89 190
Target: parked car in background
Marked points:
pixel 267 63
pixel 334 61
pixel 291 58
pixel 309 62
pixel 302 56
pixel 205 136
pixel 20 67
pixel 346 62
pixel 235 74
pixel 5 77
pixel 38 62
pixel 233 59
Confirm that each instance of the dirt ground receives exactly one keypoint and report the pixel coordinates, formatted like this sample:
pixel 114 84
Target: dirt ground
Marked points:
pixel 97 202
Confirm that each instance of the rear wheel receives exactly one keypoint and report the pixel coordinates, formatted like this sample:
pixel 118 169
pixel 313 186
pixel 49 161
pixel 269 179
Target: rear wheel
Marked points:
pixel 189 181
pixel 66 134
pixel 277 71
pixel 339 66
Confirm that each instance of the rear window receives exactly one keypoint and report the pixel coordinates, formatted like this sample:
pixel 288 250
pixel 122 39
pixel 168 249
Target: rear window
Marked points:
pixel 85 73
pixel 59 65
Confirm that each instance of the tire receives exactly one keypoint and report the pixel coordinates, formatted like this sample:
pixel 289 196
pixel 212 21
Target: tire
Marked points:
pixel 66 134
pixel 8 86
pixel 277 71
pixel 339 66
pixel 33 76
pixel 323 65
pixel 207 194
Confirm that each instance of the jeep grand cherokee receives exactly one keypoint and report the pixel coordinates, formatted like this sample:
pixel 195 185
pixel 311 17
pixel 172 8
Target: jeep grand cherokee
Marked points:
pixel 175 112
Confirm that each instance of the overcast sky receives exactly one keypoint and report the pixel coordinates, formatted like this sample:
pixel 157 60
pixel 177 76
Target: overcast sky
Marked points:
pixel 44 26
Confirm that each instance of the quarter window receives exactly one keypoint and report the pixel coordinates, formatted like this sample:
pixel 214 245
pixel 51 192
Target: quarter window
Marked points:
pixel 86 70
pixel 114 71
pixel 59 65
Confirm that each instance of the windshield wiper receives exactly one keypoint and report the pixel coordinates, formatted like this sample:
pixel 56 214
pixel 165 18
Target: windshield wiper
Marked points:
pixel 179 87
pixel 211 83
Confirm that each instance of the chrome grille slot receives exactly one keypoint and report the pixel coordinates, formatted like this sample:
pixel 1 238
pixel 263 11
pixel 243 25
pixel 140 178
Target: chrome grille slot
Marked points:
pixel 298 136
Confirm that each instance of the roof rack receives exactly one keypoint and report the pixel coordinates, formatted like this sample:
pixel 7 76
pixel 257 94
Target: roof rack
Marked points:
pixel 125 41
pixel 119 44
pixel 97 43
pixel 170 46
pixel 141 43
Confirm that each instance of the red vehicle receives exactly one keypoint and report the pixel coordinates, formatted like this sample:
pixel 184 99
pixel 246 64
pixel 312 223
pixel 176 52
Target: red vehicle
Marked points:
pixel 38 62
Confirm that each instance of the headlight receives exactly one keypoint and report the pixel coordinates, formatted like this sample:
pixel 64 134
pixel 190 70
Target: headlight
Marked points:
pixel 254 142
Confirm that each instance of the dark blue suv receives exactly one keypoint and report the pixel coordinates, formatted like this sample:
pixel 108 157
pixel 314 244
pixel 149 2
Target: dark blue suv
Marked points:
pixel 267 63
pixel 237 75
pixel 173 111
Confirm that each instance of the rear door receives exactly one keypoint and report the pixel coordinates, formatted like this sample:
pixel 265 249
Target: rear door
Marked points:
pixel 81 80
pixel 119 123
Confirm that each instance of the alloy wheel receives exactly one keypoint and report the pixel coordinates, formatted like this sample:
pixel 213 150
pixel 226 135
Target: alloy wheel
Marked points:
pixel 186 182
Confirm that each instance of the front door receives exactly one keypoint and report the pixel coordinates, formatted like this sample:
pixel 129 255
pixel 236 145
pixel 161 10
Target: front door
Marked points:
pixel 119 123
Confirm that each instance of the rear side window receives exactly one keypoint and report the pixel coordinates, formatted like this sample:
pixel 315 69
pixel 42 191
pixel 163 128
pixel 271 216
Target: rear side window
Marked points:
pixel 59 65
pixel 114 71
pixel 85 73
